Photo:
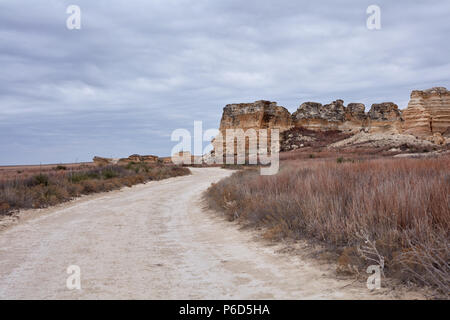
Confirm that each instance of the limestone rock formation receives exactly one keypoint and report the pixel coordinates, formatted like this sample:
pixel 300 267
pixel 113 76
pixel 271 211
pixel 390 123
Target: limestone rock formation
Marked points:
pixel 309 110
pixel 387 111
pixel 100 161
pixel 257 115
pixel 356 111
pixel 315 116
pixel 135 158
pixel 385 117
pixel 427 117
pixel 428 113
pixel 332 116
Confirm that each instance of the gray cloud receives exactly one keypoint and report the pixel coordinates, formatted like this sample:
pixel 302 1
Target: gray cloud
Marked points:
pixel 139 69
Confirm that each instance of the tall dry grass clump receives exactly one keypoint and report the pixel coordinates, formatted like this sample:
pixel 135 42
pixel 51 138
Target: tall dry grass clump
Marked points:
pixel 401 206
pixel 57 186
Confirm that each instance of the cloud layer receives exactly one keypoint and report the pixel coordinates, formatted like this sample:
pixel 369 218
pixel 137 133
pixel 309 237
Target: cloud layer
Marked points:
pixel 138 69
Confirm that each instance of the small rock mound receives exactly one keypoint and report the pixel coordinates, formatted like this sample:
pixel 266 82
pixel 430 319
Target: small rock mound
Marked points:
pixel 385 142
pixel 299 137
pixel 134 158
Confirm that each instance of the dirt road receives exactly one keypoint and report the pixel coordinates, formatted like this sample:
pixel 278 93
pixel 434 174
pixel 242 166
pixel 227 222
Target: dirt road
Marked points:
pixel 154 241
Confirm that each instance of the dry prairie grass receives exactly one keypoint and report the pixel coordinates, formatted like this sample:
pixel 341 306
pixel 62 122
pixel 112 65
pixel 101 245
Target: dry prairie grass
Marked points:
pixel 50 188
pixel 402 206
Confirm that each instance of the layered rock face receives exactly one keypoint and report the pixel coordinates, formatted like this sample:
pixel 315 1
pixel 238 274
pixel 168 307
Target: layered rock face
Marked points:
pixel 258 115
pixel 427 117
pixel 318 124
pixel 386 111
pixel 356 111
pixel 428 113
pixel 315 116
pixel 384 117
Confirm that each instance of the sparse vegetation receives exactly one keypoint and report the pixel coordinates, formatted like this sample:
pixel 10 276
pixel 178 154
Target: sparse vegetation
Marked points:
pixel 50 188
pixel 401 206
pixel 342 160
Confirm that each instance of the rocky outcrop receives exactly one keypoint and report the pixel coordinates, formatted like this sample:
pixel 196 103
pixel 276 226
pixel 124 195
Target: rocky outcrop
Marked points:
pixel 385 141
pixel 315 116
pixel 427 117
pixel 384 117
pixel 100 161
pixel 386 111
pixel 257 115
pixel 312 116
pixel 356 111
pixel 135 158
pixel 428 113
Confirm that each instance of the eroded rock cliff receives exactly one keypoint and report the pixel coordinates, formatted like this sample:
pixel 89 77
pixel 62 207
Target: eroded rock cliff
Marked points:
pixel 428 114
pixel 134 158
pixel 257 115
pixel 384 117
pixel 427 117
pixel 315 116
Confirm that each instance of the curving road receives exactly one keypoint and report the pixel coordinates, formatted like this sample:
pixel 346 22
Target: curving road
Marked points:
pixel 154 241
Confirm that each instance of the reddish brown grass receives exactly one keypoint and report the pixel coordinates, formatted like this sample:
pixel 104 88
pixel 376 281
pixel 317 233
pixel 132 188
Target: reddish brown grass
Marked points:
pixel 42 190
pixel 21 172
pixel 402 205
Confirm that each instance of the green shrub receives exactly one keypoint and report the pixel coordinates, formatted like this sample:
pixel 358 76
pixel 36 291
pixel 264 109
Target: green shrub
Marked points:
pixel 78 177
pixel 109 174
pixel 40 179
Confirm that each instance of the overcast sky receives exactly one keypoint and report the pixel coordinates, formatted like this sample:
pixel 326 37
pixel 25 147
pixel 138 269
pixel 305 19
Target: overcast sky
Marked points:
pixel 137 70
